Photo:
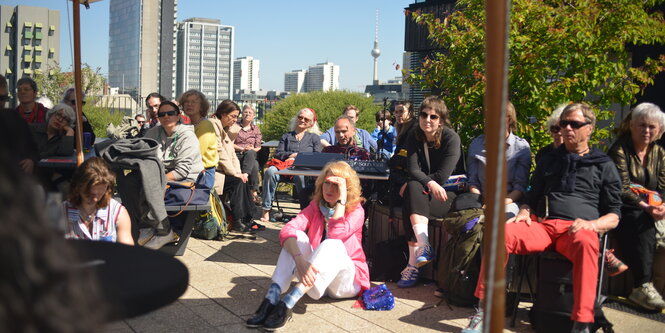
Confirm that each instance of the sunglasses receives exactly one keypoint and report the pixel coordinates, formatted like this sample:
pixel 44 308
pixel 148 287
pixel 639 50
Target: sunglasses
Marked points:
pixel 167 113
pixel 555 129
pixel 73 102
pixel 431 116
pixel 573 123
pixel 306 120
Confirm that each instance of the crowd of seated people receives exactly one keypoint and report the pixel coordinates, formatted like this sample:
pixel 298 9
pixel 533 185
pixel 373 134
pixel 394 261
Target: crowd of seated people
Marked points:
pixel 622 189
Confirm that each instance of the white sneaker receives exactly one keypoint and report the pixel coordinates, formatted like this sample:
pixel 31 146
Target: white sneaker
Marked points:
pixel 156 242
pixel 145 235
pixel 647 297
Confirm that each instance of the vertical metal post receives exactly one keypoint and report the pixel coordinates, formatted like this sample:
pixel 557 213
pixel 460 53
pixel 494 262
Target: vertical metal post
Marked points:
pixel 77 82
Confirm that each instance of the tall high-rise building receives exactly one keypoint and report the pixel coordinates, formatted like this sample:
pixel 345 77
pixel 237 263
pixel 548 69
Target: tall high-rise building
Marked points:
pixel 246 74
pixel 29 41
pixel 142 46
pixel 294 81
pixel 205 58
pixel 322 77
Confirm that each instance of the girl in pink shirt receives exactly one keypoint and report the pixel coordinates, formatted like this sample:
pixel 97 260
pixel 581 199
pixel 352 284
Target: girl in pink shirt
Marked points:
pixel 321 246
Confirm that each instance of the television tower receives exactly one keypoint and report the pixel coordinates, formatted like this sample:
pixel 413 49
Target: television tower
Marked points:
pixel 375 51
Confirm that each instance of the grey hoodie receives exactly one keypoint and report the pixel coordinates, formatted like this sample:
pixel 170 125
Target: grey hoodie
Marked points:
pixel 179 152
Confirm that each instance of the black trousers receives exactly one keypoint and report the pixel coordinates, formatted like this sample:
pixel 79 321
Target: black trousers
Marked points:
pixel 637 238
pixel 249 165
pixel 240 200
pixel 416 201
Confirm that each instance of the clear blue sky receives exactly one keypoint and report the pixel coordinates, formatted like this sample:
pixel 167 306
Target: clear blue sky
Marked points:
pixel 283 35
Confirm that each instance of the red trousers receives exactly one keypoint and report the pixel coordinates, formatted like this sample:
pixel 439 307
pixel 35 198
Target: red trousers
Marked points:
pixel 581 248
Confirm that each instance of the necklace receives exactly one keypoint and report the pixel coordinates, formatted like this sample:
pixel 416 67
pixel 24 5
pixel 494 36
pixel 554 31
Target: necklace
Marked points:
pixel 87 216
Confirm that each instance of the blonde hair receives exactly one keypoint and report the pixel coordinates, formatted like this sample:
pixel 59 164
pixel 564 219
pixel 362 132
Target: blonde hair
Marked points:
pixel 353 189
pixel 312 129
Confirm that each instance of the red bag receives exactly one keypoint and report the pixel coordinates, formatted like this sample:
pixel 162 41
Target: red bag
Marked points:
pixel 279 164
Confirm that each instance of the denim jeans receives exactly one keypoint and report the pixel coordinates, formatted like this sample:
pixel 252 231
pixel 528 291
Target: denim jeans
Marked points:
pixel 270 180
pixel 208 179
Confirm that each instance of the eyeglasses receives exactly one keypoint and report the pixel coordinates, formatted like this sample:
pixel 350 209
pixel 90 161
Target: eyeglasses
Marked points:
pixel 555 129
pixel 168 113
pixel 424 115
pixel 60 116
pixel 73 102
pixel 303 119
pixel 141 121
pixel 573 124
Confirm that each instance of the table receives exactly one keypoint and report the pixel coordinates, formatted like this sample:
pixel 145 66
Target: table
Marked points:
pixel 315 173
pixel 192 211
pixel 134 280
pixel 270 144
pixel 64 162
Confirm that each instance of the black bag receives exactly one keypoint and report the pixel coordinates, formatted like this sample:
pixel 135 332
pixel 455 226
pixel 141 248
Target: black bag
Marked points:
pixel 390 256
pixel 554 302
pixel 460 259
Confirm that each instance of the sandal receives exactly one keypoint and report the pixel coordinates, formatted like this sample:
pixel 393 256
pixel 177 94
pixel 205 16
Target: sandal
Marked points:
pixel 256 198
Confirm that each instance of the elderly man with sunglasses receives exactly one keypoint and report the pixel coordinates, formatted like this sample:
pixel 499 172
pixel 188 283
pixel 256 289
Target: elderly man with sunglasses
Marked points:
pixel 575 194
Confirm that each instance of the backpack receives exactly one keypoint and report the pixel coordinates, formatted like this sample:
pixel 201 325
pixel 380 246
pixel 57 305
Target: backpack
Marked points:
pixel 127 129
pixel 212 224
pixel 459 259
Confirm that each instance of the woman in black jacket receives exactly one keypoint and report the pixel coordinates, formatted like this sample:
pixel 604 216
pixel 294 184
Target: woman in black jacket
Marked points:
pixel 433 151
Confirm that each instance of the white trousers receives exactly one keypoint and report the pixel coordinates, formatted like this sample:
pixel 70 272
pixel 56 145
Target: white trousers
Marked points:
pixel 336 277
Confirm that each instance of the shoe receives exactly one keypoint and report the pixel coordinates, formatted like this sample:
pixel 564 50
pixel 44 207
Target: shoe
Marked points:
pixel 475 323
pixel 423 256
pixel 647 297
pixel 257 227
pixel 256 198
pixel 240 227
pixel 580 327
pixel 439 293
pixel 278 317
pixel 409 277
pixel 156 242
pixel 260 315
pixel 145 235
pixel 613 265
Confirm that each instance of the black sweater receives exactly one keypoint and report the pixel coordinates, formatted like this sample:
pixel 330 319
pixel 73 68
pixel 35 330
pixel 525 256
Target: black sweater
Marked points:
pixel 568 186
pixel 442 160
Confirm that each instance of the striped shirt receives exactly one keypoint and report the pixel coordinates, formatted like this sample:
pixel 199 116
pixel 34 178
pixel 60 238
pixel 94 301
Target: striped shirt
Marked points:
pixel 103 225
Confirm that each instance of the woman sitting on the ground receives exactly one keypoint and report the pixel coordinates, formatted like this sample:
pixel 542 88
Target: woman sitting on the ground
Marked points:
pixel 434 149
pixel 321 246
pixel 518 156
pixel 247 144
pixel 231 181
pixel 641 165
pixel 92 213
pixel 304 137
pixel 196 107
pixel 180 154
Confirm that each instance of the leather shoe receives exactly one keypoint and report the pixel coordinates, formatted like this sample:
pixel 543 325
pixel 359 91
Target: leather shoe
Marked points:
pixel 277 317
pixel 260 315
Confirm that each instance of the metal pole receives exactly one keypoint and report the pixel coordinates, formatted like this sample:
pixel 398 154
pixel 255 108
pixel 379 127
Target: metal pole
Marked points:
pixel 77 83
pixel 496 57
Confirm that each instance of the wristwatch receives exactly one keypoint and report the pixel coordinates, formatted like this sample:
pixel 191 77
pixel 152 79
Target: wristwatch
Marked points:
pixel 343 203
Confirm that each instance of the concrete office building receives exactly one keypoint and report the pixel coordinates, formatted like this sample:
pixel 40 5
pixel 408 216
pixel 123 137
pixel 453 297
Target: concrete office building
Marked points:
pixel 294 81
pixel 142 46
pixel 205 58
pixel 29 41
pixel 322 77
pixel 246 74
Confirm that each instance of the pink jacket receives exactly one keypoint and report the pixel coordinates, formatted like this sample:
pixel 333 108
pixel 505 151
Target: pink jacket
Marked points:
pixel 347 229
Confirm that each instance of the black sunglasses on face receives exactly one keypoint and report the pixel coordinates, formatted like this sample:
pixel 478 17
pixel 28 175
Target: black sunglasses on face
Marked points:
pixel 167 113
pixel 573 123
pixel 431 116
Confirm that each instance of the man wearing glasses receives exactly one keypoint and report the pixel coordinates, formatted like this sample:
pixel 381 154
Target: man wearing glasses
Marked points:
pixel 575 194
pixel 140 119
pixel 31 111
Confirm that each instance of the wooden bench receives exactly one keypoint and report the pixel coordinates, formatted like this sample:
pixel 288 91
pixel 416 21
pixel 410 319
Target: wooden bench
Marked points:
pixel 191 212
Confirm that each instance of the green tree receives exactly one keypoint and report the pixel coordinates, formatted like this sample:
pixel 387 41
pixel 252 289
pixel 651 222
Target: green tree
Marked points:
pixel 100 118
pixel 54 83
pixel 328 106
pixel 559 51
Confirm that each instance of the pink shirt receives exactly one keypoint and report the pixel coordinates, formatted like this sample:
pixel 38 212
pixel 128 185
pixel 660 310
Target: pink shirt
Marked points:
pixel 348 229
pixel 251 138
